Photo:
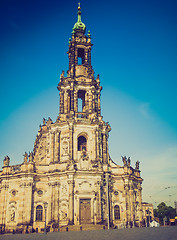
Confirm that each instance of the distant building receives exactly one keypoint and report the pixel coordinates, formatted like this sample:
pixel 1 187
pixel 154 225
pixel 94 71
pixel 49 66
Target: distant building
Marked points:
pixel 70 170
pixel 148 213
pixel 176 207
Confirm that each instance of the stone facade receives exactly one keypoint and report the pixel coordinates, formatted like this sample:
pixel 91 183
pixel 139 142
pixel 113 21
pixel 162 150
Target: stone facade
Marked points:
pixel 70 168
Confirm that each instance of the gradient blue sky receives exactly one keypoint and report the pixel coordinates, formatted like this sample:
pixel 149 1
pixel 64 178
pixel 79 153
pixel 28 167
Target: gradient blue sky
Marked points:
pixel 135 53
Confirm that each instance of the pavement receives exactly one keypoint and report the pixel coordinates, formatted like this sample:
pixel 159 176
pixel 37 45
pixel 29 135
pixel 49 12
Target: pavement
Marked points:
pixel 159 233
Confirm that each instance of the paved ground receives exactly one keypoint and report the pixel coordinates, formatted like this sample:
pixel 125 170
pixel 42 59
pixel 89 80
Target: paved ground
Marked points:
pixel 161 233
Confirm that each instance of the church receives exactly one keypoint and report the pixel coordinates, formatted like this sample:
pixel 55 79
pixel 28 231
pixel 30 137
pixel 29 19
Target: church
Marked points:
pixel 69 178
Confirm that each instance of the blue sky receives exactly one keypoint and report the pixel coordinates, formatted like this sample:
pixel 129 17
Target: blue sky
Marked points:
pixel 135 53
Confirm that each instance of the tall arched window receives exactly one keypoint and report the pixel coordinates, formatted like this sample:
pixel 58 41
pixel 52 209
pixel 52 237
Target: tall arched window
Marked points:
pixel 116 212
pixel 81 101
pixel 81 56
pixel 82 143
pixel 39 213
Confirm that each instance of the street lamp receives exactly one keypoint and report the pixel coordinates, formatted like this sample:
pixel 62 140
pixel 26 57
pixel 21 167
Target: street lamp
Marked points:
pixel 45 207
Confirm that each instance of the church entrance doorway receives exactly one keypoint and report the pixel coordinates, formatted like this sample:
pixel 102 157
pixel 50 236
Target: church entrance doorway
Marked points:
pixel 85 211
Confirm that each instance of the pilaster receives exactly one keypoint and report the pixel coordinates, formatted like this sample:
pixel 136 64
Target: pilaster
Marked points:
pixel 57 146
pixel 71 198
pixel 52 146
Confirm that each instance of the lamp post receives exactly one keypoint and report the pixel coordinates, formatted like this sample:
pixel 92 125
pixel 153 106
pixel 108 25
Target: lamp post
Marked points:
pixel 45 207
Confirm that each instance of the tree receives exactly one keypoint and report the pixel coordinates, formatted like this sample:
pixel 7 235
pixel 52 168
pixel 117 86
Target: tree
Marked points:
pixel 163 211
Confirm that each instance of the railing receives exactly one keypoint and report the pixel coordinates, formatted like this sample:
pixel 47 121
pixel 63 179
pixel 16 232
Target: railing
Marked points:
pixel 15 168
pixel 82 115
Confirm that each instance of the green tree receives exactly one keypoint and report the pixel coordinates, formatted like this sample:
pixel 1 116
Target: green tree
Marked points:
pixel 163 211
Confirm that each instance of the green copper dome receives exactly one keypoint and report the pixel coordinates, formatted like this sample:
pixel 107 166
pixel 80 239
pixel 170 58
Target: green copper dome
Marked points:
pixel 79 26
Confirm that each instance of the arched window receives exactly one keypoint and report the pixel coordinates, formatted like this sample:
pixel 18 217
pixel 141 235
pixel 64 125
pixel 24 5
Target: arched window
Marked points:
pixel 81 101
pixel 116 212
pixel 82 143
pixel 39 213
pixel 81 56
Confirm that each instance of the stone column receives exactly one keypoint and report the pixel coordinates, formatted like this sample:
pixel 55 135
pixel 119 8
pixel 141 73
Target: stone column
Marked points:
pixel 71 198
pixel 75 101
pixel 86 57
pixel 50 202
pixel 52 146
pixel 3 202
pixel 65 102
pixel 68 100
pixel 126 187
pixel 57 144
pixel 99 103
pixel 76 211
pixel 56 186
pixel 72 100
pixel 61 101
pixel 89 57
pixel 107 150
pixel 71 142
pixel 90 101
pixel 93 100
pixel 96 145
pixel 131 203
pixel 99 202
pixel 87 101
pixel 140 203
pixel 76 56
pixel 92 209
pixel 104 149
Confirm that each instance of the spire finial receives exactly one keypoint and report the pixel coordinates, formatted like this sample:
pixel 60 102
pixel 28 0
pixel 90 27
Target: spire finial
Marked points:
pixel 79 26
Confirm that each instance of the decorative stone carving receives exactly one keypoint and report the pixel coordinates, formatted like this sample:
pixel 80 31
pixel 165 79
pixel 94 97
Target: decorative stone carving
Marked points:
pixel 63 189
pixel 65 148
pixel 137 165
pixel 12 216
pixel 6 161
pixel 44 121
pixel 124 160
pixel 84 160
pixel 63 215
pixel 25 158
pixel 128 162
pixel 30 157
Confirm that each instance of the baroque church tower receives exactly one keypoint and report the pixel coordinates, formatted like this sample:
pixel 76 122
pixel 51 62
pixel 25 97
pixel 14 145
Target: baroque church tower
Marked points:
pixel 70 175
pixel 80 109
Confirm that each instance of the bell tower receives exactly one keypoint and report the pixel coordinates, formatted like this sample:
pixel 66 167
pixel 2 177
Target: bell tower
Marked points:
pixel 79 90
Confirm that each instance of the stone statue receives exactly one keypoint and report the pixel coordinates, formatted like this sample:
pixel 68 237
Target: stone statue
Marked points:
pixel 12 216
pixel 128 162
pixel 49 121
pixel 30 157
pixel 62 74
pixel 6 161
pixel 137 165
pixel 98 78
pixel 25 157
pixel 44 121
pixel 124 159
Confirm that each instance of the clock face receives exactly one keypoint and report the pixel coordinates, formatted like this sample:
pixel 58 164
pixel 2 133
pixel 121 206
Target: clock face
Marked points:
pixel 116 193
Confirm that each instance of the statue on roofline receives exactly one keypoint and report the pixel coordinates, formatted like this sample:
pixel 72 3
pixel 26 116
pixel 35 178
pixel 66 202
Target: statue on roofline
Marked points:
pixel 6 161
pixel 25 157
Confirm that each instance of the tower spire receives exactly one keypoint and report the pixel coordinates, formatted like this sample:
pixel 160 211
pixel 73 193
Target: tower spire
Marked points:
pixel 79 26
